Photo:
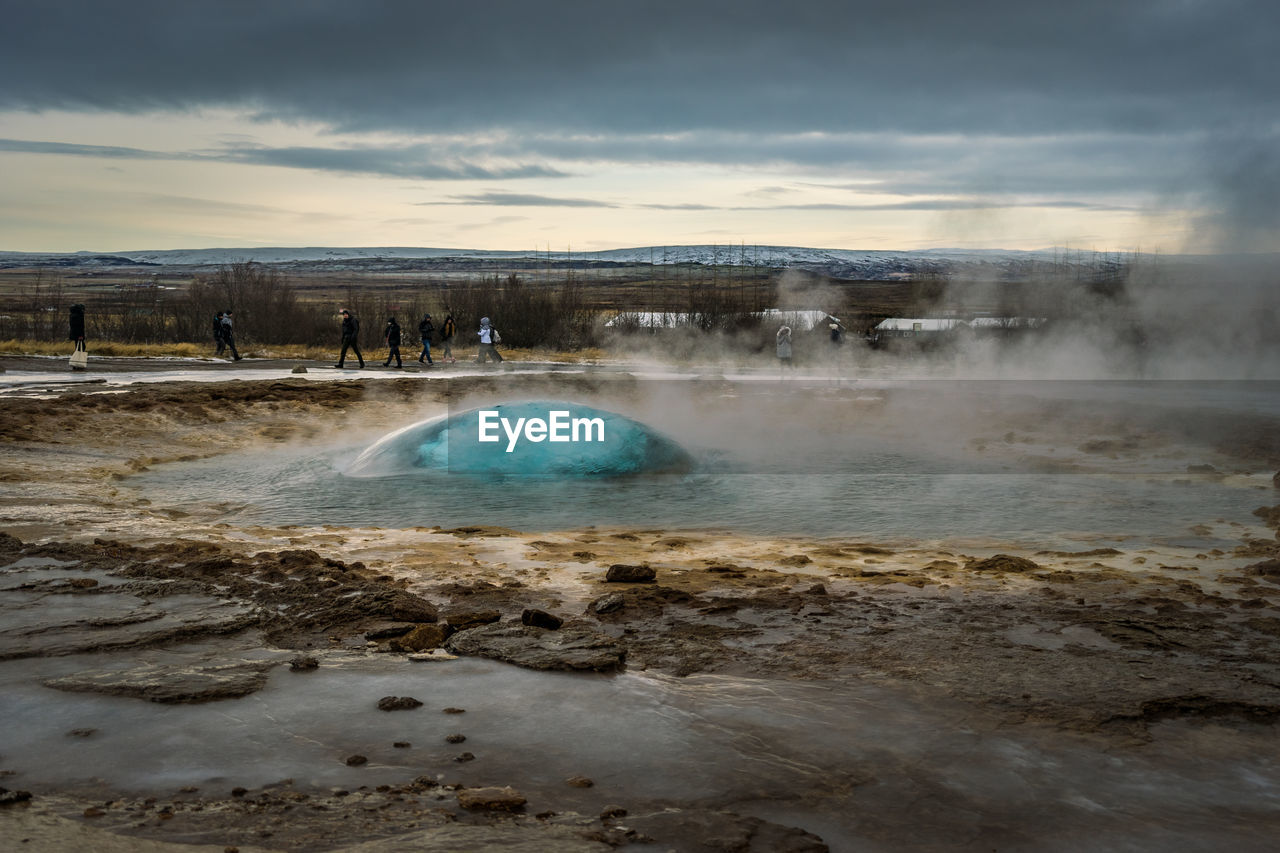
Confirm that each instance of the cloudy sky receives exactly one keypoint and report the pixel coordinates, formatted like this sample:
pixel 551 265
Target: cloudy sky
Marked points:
pixel 514 124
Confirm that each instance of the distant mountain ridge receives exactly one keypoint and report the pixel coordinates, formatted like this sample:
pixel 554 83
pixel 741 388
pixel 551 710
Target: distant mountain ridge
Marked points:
pixel 839 263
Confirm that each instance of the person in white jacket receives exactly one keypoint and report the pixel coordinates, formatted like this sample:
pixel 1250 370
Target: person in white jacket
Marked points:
pixel 488 337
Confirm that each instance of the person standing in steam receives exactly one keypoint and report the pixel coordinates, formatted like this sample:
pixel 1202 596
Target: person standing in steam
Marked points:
pixel 350 338
pixel 488 337
pixel 228 337
pixel 392 335
pixel 784 347
pixel 425 328
pixel 447 331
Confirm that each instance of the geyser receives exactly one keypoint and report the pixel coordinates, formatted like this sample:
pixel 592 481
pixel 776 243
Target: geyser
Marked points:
pixel 534 438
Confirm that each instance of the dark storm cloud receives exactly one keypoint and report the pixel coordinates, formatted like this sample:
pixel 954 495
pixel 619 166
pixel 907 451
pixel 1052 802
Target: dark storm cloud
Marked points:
pixel 393 161
pixel 25 146
pixel 397 162
pixel 984 66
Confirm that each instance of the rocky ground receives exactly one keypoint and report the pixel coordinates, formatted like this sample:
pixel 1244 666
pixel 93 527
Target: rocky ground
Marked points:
pixel 1103 642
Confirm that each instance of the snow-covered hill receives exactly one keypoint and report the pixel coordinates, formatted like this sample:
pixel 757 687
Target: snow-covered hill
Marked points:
pixel 840 263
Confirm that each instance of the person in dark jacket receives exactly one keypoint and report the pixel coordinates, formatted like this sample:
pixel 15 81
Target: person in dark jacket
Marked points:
pixel 425 328
pixel 392 335
pixel 447 331
pixel 228 336
pixel 77 326
pixel 350 338
pixel 218 334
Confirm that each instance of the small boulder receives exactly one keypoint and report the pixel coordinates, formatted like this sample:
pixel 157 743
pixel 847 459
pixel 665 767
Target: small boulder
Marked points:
pixel 541 619
pixel 421 638
pixel 461 620
pixel 455 738
pixel 505 799
pixel 612 811
pixel 299 368
pixel 398 703
pixel 795 560
pixel 303 664
pixel 607 603
pixel 623 573
pixel 356 760
pixel 579 782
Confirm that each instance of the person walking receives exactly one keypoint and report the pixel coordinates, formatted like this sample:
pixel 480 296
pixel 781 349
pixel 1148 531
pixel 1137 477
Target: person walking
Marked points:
pixel 350 338
pixel 447 331
pixel 76 321
pixel 228 337
pixel 218 337
pixel 488 337
pixel 80 354
pixel 425 328
pixel 392 336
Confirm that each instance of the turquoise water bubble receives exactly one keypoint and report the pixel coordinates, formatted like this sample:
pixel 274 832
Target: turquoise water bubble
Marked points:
pixel 536 438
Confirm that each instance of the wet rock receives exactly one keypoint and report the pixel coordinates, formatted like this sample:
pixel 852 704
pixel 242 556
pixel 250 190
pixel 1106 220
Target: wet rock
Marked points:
pixel 398 703
pixel 421 639
pixel 505 799
pixel 82 583
pixel 579 782
pixel 726 831
pixel 623 573
pixel 607 603
pixel 299 368
pixel 404 607
pixel 9 798
pixel 455 739
pixel 464 757
pixel 1003 563
pixel 389 631
pixel 1267 570
pixel 541 619
pixel 82 732
pixel 1270 515
pixel 304 664
pixel 461 620
pixel 169 683
pixel 239 792
pixel 795 560
pixel 612 811
pixel 538 648
pixel 454 711
pixel 356 760
pixel 816 589
pixel 402 744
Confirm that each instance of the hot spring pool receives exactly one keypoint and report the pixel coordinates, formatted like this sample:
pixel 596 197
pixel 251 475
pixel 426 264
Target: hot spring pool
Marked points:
pixel 920 462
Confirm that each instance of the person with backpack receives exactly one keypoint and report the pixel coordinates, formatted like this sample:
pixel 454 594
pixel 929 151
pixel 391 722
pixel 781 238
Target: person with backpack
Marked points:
pixel 488 337
pixel 447 331
pixel 392 336
pixel 425 328
pixel 228 337
pixel 350 338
